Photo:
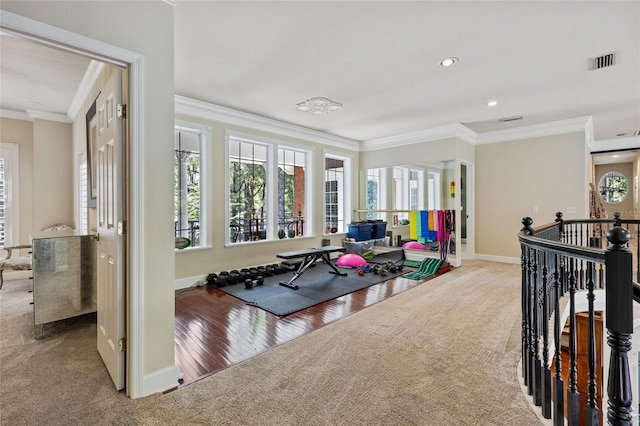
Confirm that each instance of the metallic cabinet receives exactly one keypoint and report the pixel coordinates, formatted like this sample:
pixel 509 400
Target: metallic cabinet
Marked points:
pixel 64 277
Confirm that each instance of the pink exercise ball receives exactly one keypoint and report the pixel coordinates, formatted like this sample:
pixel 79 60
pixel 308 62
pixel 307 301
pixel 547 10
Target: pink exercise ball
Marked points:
pixel 413 245
pixel 351 260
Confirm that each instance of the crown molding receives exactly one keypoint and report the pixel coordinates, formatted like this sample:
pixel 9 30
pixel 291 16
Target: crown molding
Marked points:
pixel 50 116
pixel 436 133
pixel 579 124
pixel 208 111
pixel 617 144
pixel 88 80
pixel 15 115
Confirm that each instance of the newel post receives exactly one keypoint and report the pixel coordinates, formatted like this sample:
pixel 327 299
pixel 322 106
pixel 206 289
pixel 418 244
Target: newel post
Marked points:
pixel 619 323
pixel 560 222
pixel 527 372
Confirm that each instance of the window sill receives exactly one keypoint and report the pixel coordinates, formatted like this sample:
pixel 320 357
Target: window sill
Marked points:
pixel 192 249
pixel 258 242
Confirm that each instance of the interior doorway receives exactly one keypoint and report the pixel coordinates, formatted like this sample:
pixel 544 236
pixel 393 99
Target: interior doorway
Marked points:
pixel 466 220
pixel 40 34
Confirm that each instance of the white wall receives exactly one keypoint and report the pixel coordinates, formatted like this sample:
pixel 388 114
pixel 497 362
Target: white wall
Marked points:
pixel 52 174
pixel 548 173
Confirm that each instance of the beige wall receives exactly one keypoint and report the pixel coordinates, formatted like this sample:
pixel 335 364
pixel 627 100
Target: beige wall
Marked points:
pixel 626 207
pixel 513 177
pixel 52 174
pixel 222 256
pixel 145 28
pixel 21 132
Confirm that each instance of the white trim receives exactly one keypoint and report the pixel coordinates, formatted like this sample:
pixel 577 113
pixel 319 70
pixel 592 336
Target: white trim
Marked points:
pixel 580 124
pixel 88 80
pixel 12 192
pixel 616 144
pixel 199 109
pixel 436 133
pixel 138 384
pixel 182 283
pixel 206 173
pixel 157 381
pixel 15 115
pixel 51 116
pixel 499 259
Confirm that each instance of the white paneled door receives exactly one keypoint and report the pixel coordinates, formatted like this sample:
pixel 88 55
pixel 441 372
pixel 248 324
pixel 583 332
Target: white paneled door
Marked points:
pixel 108 154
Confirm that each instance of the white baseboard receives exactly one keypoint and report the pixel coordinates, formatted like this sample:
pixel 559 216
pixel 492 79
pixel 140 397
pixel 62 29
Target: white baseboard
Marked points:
pixel 17 275
pixel 181 283
pixel 500 259
pixel 160 381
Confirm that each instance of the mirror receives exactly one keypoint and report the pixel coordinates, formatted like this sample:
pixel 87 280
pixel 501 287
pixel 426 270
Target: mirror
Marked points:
pixel 393 192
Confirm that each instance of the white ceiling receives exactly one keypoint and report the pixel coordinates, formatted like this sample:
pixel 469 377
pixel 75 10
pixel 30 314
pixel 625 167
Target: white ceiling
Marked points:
pixel 380 60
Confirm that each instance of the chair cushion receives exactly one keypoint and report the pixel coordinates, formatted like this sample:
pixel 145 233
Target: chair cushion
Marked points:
pixel 22 262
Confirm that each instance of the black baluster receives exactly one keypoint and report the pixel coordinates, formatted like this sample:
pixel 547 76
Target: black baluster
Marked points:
pixel 558 388
pixel 526 318
pixel 592 414
pixel 546 373
pixel 537 365
pixel 619 322
pixel 573 398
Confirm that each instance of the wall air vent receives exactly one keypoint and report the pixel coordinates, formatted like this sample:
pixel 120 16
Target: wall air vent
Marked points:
pixel 507 119
pixel 604 61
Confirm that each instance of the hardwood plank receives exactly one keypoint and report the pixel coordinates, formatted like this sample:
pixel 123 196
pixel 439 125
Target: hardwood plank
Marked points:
pixel 215 330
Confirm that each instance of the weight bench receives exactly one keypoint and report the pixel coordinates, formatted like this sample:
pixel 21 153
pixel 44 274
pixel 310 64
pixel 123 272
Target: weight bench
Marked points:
pixel 310 257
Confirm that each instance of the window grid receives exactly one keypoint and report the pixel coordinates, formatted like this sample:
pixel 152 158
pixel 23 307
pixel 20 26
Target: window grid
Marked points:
pixel 334 193
pixel 187 200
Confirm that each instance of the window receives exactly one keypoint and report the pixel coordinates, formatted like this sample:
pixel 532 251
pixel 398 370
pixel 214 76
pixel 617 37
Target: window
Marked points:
pixel 9 203
pixel 291 191
pixel 433 191
pixel 401 191
pixel 190 200
pixel 613 187
pixel 336 187
pixel 416 189
pixel 267 190
pixel 83 222
pixel 376 193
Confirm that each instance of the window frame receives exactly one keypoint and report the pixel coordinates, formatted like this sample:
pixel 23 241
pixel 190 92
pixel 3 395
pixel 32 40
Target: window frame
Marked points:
pixel 346 191
pixel 271 223
pixel 11 153
pixel 206 189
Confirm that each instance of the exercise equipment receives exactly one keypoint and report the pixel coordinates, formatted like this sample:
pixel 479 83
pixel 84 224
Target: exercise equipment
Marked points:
pixel 249 283
pixel 310 256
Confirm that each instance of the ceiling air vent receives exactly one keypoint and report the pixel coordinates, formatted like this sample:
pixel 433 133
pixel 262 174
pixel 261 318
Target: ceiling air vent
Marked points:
pixel 507 119
pixel 604 61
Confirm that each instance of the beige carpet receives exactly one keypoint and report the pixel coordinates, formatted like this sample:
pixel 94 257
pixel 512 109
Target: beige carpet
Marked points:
pixel 443 353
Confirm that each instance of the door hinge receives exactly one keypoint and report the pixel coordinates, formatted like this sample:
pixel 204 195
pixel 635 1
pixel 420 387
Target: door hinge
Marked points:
pixel 122 227
pixel 122 111
pixel 95 237
pixel 122 344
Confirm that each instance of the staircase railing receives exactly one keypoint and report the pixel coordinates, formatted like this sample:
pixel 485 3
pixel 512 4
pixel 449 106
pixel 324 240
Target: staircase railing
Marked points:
pixel 561 261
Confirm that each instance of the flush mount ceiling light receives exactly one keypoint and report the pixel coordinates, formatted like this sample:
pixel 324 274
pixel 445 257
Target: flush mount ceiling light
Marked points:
pixel 318 106
pixel 447 62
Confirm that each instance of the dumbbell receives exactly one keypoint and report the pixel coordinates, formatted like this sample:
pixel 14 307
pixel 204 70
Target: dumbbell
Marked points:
pixel 222 279
pixel 249 283
pixel 234 276
pixel 214 279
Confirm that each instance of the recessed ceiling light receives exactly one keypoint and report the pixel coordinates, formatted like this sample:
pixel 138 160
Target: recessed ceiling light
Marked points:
pixel 447 62
pixel 492 103
pixel 615 156
pixel 318 106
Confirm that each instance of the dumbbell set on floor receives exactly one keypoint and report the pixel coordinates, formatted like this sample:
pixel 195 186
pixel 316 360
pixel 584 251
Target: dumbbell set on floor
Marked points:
pixel 384 268
pixel 249 283
pixel 252 274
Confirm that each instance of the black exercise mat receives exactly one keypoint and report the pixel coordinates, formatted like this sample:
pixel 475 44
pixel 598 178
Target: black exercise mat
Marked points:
pixel 316 285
